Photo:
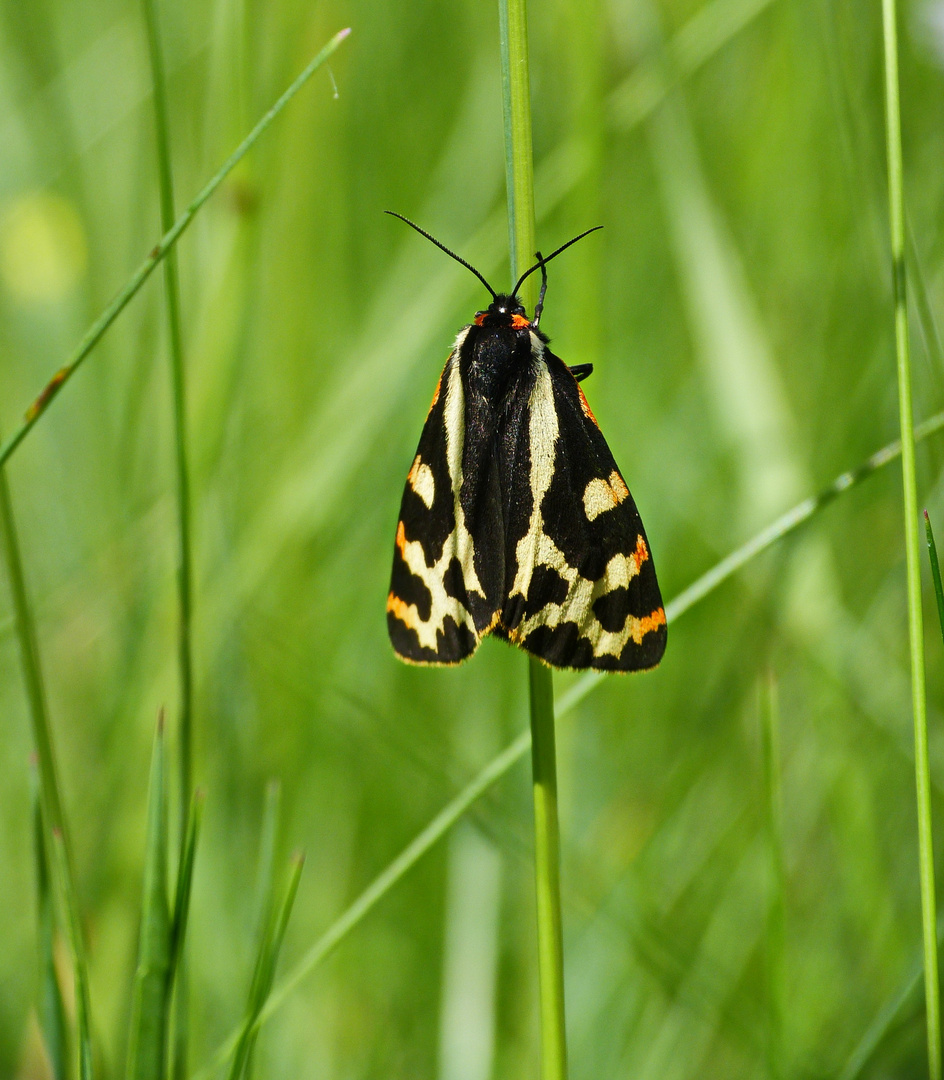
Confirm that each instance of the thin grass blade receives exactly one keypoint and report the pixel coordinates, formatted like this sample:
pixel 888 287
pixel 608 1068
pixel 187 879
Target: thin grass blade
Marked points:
pixel 179 397
pixel 264 973
pixel 547 873
pixel 265 888
pixel 185 880
pixel 776 903
pixel 935 570
pixel 896 213
pixel 519 174
pixel 182 487
pixel 265 873
pixel 150 1012
pixel 52 1014
pixel 83 1012
pixel 52 818
pixel 179 921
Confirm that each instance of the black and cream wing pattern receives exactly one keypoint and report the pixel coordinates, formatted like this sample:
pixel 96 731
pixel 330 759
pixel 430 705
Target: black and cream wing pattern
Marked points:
pixel 515 519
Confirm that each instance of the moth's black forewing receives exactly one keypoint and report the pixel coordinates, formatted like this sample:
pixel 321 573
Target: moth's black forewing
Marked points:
pixel 415 632
pixel 448 564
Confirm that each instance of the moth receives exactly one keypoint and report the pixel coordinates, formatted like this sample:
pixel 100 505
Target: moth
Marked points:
pixel 515 519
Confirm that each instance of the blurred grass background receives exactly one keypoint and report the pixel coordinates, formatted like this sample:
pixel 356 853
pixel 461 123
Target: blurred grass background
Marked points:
pixel 737 309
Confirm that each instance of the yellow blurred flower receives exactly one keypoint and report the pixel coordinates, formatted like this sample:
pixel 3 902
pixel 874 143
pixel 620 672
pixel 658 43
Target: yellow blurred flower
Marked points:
pixel 42 246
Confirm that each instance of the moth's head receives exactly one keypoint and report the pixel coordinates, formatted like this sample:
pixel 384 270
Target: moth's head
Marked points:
pixel 504 310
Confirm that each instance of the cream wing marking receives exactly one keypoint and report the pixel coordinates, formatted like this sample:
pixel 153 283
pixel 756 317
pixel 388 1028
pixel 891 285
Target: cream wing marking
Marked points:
pixel 536 548
pixel 602 495
pixel 420 479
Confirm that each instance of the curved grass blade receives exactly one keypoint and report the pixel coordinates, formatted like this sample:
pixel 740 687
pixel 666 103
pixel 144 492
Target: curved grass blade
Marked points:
pixel 150 1007
pixel 264 973
pixel 503 762
pixel 97 330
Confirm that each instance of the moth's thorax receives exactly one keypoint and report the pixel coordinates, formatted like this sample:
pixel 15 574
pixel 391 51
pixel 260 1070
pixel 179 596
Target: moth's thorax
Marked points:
pixel 504 310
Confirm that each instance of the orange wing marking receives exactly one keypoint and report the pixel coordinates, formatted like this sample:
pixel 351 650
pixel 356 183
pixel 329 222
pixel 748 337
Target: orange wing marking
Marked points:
pixel 647 624
pixel 587 411
pixel 639 556
pixel 406 613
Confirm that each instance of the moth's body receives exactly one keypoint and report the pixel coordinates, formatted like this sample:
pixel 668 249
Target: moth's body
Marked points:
pixel 515 519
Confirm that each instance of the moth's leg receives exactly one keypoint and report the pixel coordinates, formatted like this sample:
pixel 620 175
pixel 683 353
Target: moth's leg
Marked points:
pixel 581 371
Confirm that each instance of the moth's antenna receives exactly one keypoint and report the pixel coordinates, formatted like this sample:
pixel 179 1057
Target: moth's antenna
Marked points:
pixel 443 247
pixel 542 262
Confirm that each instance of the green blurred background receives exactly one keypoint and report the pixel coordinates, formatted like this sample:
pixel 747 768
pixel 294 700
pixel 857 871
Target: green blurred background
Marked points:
pixel 737 310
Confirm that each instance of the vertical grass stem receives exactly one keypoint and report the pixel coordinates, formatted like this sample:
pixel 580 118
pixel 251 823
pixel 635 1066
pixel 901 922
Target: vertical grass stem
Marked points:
pixel 912 540
pixel 178 388
pixel 50 1006
pixel 519 171
pixel 773 801
pixel 182 485
pixel 519 159
pixel 547 873
pixel 53 817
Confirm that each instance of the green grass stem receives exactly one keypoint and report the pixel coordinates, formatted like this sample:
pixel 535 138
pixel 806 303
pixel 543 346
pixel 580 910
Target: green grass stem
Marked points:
pixel 83 1010
pixel 179 397
pixel 265 873
pixel 51 1010
pixel 935 570
pixel 503 762
pixel 773 814
pixel 184 885
pixel 97 330
pixel 269 947
pixel 265 885
pixel 519 176
pixel 182 488
pixel 32 671
pixel 547 873
pixel 896 207
pixel 150 1006
pixel 179 986
pixel 519 157
pixel 53 815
